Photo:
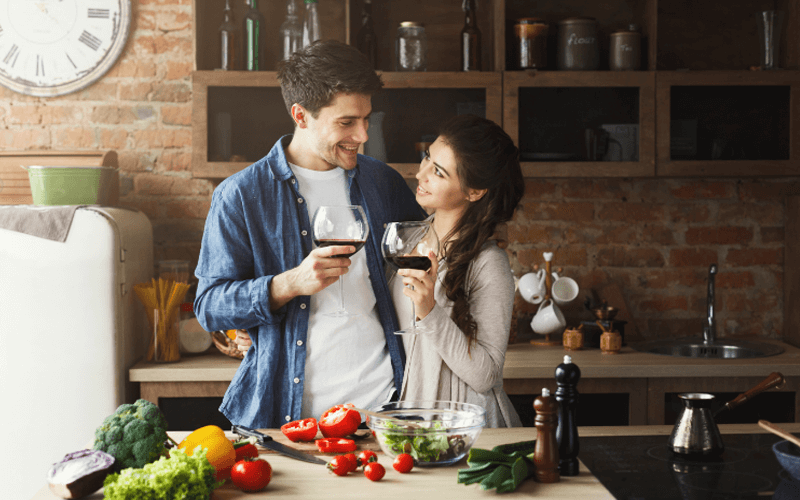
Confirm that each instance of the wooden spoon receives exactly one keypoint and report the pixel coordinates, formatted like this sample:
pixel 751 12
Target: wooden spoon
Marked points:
pixel 778 431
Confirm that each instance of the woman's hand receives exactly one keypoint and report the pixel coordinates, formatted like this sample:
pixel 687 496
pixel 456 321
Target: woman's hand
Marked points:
pixel 423 283
pixel 243 340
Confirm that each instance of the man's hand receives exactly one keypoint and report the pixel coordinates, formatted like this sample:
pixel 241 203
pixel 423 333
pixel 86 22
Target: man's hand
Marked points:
pixel 318 271
pixel 243 341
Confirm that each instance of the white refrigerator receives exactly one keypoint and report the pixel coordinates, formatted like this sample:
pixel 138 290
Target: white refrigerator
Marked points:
pixel 70 328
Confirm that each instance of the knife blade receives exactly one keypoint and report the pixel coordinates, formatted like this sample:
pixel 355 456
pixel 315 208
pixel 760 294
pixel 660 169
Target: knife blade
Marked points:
pixel 267 442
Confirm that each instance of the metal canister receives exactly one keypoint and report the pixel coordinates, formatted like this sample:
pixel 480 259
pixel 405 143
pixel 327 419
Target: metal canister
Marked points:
pixel 411 47
pixel 530 34
pixel 578 47
pixel 625 49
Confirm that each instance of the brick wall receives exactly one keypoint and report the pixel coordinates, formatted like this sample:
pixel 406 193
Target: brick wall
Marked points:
pixel 654 238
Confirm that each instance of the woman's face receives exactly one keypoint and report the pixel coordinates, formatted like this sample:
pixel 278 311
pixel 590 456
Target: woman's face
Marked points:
pixel 439 187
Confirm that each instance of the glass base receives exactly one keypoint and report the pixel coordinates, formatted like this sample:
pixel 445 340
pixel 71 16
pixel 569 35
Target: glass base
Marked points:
pixel 412 331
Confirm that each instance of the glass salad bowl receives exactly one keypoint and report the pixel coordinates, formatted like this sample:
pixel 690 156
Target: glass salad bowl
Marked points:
pixel 433 432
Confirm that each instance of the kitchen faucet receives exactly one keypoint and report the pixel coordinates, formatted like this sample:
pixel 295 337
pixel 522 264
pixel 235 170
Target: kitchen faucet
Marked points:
pixel 710 330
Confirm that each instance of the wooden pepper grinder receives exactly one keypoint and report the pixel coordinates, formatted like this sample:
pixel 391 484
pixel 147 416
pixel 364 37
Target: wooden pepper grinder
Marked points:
pixel 545 452
pixel 567 376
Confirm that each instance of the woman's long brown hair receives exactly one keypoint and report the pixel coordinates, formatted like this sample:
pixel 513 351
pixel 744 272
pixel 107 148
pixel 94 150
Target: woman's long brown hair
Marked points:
pixel 486 158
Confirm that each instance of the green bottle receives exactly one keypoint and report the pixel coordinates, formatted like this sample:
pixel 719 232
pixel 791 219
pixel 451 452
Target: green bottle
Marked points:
pixel 255 39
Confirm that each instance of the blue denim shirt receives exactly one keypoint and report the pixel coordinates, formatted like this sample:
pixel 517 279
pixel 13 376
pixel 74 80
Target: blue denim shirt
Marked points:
pixel 258 226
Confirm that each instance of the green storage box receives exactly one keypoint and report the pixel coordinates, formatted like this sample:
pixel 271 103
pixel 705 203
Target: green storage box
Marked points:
pixel 81 185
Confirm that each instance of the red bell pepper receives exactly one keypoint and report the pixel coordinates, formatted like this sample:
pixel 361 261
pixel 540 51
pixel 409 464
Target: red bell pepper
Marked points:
pixel 300 430
pixel 339 421
pixel 336 445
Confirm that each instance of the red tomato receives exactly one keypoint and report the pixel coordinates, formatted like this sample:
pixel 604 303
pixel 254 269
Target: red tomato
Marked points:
pixel 367 456
pixel 339 421
pixel 374 471
pixel 300 430
pixel 245 450
pixel 403 463
pixel 351 457
pixel 251 475
pixel 335 445
pixel 339 465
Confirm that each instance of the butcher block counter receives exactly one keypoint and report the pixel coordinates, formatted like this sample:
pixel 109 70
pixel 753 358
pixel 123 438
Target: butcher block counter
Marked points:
pixel 644 378
pixel 295 479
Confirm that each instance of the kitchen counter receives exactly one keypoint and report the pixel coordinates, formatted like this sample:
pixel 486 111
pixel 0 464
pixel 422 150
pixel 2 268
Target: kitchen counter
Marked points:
pixel 294 479
pixel 645 378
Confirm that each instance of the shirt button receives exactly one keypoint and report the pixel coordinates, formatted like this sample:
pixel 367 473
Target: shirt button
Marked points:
pixel 304 232
pixel 293 181
pixel 302 306
pixel 299 200
pixel 384 225
pixel 299 342
pixel 296 380
pixel 288 418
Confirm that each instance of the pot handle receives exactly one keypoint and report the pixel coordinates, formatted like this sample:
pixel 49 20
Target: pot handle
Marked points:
pixel 773 380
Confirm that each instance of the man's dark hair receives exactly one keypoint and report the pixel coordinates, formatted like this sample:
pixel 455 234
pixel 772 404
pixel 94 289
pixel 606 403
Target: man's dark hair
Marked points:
pixel 313 76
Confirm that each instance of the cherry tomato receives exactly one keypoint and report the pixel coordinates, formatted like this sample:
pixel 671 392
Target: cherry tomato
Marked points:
pixel 351 457
pixel 335 445
pixel 374 471
pixel 339 421
pixel 251 475
pixel 339 465
pixel 245 449
pixel 367 456
pixel 403 463
pixel 300 430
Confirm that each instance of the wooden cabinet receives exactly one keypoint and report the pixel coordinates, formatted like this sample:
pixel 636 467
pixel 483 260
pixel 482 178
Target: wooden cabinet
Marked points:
pixel 692 52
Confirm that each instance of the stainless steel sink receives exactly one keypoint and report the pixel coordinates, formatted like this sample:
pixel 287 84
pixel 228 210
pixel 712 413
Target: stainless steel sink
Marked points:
pixel 697 348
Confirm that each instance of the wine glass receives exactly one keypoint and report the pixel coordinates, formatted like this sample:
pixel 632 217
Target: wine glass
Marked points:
pixel 340 225
pixel 405 245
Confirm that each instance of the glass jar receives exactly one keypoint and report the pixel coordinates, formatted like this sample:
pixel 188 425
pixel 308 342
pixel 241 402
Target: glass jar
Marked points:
pixel 578 47
pixel 411 47
pixel 531 36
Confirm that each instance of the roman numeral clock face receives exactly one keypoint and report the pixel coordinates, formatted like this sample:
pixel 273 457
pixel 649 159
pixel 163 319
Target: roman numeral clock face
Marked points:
pixel 54 47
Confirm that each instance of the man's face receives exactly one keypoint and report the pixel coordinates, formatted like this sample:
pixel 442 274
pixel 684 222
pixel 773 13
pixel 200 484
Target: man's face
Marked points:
pixel 339 129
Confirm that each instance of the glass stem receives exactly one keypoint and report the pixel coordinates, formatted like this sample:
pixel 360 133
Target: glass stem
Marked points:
pixel 413 314
pixel 341 294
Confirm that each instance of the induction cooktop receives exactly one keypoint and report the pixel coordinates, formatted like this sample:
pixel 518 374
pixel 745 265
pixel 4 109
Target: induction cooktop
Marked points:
pixel 645 468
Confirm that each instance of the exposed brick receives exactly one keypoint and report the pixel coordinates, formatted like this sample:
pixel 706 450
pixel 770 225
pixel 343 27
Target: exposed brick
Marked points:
pixel 718 235
pixel 659 234
pixel 114 138
pixel 629 257
pixel 145 20
pixel 671 327
pixel 772 234
pixel 24 140
pixel 703 190
pixel 593 234
pixel 768 214
pixel 570 256
pixel 601 189
pixel 629 212
pixel 668 278
pixel 170 20
pixel 171 92
pixel 77 138
pixel 187 209
pixel 176 115
pixel 112 115
pixel 559 211
pixel 133 68
pixel 143 46
pixel 689 212
pixel 664 303
pixel 175 161
pixel 755 257
pixel 178 71
pixel 101 90
pixel 136 91
pixel 161 138
pixel 691 257
pixel 174 44
pixel 148 184
pixel 151 208
pixel 536 189
pixel 533 233
pixel 757 190
pixel 737 279
pixel 25 115
pixel 736 302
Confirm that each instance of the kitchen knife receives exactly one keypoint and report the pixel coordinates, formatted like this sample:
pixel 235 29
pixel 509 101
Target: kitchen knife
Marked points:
pixel 267 442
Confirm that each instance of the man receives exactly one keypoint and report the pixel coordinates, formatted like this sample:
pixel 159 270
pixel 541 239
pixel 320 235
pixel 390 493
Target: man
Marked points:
pixel 258 269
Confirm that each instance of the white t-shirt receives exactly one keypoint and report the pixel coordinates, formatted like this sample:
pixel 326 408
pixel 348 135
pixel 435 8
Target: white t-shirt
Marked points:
pixel 347 360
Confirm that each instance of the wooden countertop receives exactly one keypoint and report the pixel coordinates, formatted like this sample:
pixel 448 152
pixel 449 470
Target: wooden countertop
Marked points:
pixel 294 479
pixel 523 361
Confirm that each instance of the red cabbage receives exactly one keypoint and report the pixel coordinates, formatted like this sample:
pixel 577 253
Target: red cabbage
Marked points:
pixel 80 473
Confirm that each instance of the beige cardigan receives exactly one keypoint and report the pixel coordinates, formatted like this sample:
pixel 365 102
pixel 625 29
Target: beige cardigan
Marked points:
pixel 438 365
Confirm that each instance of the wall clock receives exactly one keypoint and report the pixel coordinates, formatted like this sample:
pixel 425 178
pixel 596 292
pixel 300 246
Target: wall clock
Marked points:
pixel 54 47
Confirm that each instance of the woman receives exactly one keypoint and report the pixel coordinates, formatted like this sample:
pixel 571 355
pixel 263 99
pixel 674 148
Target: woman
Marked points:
pixel 470 179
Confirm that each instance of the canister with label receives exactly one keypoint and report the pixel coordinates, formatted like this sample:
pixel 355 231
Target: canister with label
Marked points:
pixel 578 47
pixel 530 35
pixel 625 49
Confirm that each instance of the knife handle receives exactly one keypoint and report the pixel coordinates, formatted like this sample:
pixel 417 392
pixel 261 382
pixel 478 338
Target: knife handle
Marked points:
pixel 246 431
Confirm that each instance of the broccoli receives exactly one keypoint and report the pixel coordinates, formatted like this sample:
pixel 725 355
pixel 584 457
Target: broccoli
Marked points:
pixel 134 435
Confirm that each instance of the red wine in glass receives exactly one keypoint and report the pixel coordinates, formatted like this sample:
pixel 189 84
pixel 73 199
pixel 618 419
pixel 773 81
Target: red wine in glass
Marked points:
pixel 329 242
pixel 340 225
pixel 406 245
